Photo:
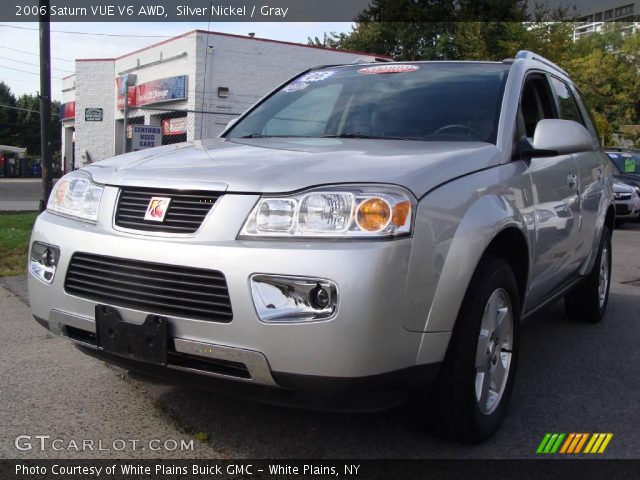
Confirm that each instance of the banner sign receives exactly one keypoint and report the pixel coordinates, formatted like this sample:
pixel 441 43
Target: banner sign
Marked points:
pixel 93 114
pixel 163 90
pixel 174 126
pixel 145 136
pixel 131 91
pixel 156 91
pixel 68 110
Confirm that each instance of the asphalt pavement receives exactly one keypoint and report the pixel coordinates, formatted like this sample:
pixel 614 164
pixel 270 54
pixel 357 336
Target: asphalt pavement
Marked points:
pixel 572 378
pixel 20 194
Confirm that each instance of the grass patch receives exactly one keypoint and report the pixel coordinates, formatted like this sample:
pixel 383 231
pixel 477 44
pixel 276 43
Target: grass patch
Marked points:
pixel 15 230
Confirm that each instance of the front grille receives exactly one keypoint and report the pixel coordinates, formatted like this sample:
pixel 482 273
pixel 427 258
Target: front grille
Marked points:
pixel 151 287
pixel 185 214
pixel 622 209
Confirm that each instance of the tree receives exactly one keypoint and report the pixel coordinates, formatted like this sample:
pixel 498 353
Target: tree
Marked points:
pixel 28 121
pixel 8 116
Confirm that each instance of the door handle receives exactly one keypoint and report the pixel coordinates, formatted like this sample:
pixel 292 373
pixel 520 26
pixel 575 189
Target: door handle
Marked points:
pixel 572 180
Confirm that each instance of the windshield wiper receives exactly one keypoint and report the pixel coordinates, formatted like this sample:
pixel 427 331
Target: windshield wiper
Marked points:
pixel 255 135
pixel 363 135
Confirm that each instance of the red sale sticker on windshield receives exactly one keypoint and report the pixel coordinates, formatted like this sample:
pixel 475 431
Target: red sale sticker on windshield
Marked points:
pixel 378 69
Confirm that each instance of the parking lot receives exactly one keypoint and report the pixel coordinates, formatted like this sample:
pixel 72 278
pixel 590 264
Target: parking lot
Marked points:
pixel 572 378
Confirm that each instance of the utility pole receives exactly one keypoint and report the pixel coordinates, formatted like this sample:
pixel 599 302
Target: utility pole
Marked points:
pixel 125 120
pixel 45 102
pixel 126 81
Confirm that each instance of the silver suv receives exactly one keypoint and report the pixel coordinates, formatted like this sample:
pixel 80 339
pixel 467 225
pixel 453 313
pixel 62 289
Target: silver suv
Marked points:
pixel 362 232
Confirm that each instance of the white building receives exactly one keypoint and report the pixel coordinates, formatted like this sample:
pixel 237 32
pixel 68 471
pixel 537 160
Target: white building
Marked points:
pixel 177 80
pixel 626 14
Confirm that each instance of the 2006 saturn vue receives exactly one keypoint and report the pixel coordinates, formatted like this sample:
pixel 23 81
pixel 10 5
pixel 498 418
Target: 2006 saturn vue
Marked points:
pixel 362 232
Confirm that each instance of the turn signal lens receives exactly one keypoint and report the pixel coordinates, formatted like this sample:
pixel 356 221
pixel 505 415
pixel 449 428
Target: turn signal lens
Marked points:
pixel 401 212
pixel 373 214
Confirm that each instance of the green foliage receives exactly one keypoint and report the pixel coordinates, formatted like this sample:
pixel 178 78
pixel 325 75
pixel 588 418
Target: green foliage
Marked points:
pixel 7 116
pixel 605 66
pixel 21 128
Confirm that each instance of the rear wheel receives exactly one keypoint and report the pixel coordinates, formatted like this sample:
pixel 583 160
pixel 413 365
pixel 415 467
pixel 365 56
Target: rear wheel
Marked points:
pixel 588 301
pixel 471 394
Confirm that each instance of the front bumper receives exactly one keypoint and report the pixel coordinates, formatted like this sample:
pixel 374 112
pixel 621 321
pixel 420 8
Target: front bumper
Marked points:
pixel 627 209
pixel 364 339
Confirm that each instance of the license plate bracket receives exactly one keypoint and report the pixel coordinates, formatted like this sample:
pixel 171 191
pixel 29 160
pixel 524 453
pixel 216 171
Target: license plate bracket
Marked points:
pixel 147 342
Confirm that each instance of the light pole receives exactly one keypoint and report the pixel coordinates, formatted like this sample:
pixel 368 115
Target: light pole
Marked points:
pixel 128 80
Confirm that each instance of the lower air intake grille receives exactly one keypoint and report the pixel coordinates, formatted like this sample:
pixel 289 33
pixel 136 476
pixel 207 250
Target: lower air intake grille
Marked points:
pixel 151 287
pixel 186 212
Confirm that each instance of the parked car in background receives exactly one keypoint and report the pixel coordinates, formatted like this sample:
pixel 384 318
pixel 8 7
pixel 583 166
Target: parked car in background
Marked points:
pixel 363 232
pixel 627 200
pixel 626 164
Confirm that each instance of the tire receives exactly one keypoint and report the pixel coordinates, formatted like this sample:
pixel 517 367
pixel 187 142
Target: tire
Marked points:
pixel 587 303
pixel 454 407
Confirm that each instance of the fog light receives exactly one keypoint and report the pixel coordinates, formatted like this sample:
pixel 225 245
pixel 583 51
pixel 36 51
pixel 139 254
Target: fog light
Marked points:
pixel 43 261
pixel 319 298
pixel 293 299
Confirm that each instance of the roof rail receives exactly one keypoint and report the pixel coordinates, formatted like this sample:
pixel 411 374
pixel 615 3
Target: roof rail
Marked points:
pixel 527 55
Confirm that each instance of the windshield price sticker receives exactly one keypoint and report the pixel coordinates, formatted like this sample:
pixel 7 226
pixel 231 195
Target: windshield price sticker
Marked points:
pixel 294 87
pixel 381 69
pixel 317 76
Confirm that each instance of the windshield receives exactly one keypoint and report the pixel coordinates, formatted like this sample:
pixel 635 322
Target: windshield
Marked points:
pixel 626 162
pixel 419 101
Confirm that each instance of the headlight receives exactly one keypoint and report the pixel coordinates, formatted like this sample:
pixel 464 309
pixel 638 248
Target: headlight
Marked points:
pixel 357 212
pixel 77 196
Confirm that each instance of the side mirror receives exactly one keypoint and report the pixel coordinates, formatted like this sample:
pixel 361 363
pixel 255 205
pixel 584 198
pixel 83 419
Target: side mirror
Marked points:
pixel 231 123
pixel 561 137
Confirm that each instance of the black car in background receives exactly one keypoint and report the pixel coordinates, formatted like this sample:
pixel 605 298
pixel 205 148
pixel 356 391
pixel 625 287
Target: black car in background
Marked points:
pixel 627 165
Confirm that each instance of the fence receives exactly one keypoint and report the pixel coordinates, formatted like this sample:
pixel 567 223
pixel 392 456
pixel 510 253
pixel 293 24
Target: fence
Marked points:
pixel 179 125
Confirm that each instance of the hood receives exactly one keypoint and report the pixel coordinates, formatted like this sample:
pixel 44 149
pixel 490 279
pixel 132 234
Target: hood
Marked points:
pixel 619 187
pixel 277 165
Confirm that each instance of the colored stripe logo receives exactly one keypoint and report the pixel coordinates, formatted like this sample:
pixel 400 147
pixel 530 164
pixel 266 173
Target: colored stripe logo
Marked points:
pixel 574 443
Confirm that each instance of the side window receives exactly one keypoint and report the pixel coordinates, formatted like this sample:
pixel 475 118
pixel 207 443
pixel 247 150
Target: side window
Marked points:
pixel 535 105
pixel 566 103
pixel 306 116
pixel 586 113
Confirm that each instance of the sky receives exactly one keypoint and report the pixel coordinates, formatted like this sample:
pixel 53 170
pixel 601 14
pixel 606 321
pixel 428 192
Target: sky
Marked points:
pixel 19 59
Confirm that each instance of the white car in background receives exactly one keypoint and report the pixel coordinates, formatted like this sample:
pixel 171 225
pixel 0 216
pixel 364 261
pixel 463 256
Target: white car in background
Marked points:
pixel 627 200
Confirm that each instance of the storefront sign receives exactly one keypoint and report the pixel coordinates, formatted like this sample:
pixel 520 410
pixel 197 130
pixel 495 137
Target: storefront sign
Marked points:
pixel 156 91
pixel 131 91
pixel 146 136
pixel 163 90
pixel 174 126
pixel 92 114
pixel 68 111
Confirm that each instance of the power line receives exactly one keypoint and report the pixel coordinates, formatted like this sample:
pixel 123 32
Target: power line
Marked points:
pixel 35 54
pixel 25 109
pixel 25 71
pixel 89 33
pixel 33 64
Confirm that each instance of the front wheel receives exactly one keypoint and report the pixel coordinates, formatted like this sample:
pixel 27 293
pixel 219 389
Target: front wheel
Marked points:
pixel 588 301
pixel 470 396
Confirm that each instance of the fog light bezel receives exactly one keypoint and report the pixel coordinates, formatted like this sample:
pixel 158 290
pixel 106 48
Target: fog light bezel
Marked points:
pixel 295 300
pixel 37 267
